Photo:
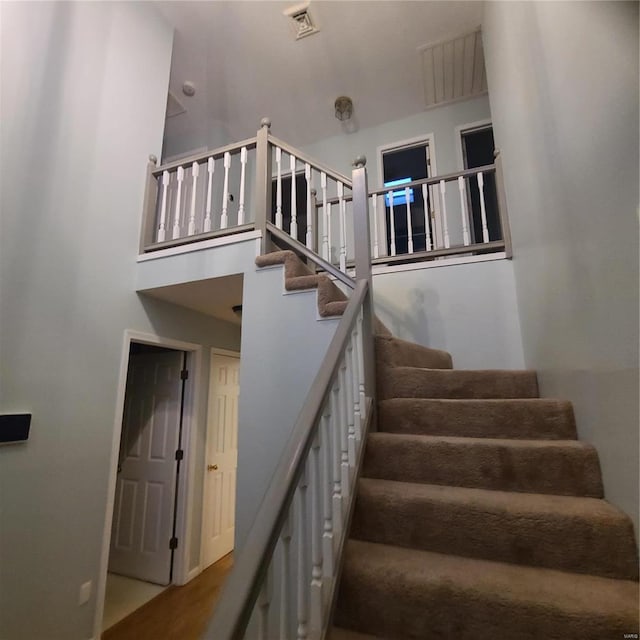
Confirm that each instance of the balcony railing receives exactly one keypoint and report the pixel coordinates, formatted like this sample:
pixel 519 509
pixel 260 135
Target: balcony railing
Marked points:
pixel 263 180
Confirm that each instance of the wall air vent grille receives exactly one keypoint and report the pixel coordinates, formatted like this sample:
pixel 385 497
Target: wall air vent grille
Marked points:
pixel 302 24
pixel 453 69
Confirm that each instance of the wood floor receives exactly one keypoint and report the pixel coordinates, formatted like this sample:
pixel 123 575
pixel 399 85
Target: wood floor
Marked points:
pixel 179 613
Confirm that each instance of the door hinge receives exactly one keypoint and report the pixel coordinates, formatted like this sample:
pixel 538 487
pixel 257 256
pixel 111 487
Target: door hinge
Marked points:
pixel 184 374
pixel 173 543
pixel 179 454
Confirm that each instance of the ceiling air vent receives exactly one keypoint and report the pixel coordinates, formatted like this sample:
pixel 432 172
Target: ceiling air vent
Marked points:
pixel 301 21
pixel 174 106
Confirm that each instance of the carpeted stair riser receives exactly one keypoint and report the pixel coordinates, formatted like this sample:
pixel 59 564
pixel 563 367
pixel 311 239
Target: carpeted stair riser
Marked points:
pixel 411 382
pixel 524 419
pixel 584 535
pixel 398 593
pixel 393 352
pixel 570 468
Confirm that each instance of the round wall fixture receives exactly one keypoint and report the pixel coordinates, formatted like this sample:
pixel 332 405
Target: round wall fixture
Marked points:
pixel 188 88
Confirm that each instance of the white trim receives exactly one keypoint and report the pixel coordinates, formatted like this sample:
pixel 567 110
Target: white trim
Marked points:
pixel 185 489
pixel 199 246
pixel 464 128
pixel 213 351
pixel 441 262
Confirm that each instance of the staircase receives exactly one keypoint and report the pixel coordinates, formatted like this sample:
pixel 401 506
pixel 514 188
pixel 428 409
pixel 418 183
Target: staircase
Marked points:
pixel 479 515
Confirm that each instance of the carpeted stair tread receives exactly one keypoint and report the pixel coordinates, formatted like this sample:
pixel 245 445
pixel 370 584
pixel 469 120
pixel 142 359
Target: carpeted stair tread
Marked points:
pixel 569 467
pixel 583 535
pixel 332 301
pixel 395 592
pixel 393 352
pixel 412 382
pixel 490 418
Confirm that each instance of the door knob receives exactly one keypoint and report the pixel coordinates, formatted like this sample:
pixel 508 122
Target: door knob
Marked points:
pixel 212 467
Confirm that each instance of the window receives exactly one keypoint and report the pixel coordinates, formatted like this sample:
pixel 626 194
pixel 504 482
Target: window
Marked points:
pixel 400 166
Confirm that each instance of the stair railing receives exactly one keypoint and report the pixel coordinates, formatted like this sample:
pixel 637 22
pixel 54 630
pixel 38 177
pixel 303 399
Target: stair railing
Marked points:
pixel 285 580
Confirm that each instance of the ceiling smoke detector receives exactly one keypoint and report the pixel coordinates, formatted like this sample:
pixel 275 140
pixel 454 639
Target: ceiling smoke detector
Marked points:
pixel 301 22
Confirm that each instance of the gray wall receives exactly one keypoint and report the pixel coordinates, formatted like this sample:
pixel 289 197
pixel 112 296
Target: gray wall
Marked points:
pixel 339 151
pixel 469 310
pixel 563 81
pixel 287 343
pixel 84 88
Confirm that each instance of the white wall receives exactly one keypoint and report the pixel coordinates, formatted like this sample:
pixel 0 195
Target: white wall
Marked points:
pixel 563 81
pixel 469 310
pixel 84 89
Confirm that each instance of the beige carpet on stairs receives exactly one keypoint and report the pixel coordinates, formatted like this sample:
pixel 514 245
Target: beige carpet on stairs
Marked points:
pixel 479 515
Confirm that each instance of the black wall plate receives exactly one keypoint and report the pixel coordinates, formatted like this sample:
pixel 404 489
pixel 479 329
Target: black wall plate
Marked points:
pixel 14 427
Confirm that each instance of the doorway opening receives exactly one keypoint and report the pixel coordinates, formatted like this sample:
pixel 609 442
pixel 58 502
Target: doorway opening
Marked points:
pixel 478 150
pixel 147 531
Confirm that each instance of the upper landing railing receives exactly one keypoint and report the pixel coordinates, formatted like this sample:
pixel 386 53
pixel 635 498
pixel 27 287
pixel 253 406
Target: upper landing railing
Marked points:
pixel 263 183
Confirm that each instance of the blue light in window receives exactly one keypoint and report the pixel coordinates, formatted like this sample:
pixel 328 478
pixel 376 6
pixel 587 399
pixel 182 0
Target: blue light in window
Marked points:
pixel 399 196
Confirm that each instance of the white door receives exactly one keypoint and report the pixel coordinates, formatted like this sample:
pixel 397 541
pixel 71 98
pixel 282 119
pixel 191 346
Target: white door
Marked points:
pixel 221 458
pixel 145 487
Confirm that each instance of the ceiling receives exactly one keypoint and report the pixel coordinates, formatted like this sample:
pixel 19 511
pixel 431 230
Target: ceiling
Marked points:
pixel 213 296
pixel 245 63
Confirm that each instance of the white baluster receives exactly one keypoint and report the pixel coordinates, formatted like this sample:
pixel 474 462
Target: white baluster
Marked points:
pixel 195 171
pixel 392 220
pixel 309 237
pixel 463 211
pixel 355 384
pixel 303 586
pixel 329 207
pixel 316 596
pixel 345 470
pixel 483 211
pixel 374 207
pixel 163 207
pixel 285 571
pixel 279 188
pixel 337 497
pixel 325 214
pixel 224 219
pixel 349 405
pixel 178 213
pixel 207 217
pixel 363 397
pixel 328 567
pixel 443 205
pixel 343 227
pixel 293 231
pixel 243 165
pixel 427 226
pixel 264 600
pixel 407 197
